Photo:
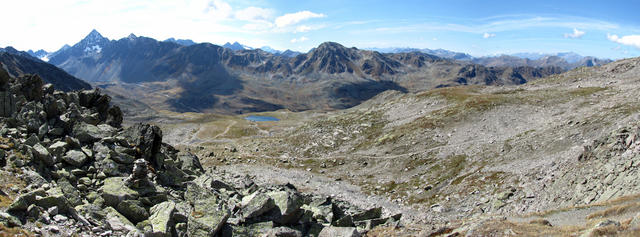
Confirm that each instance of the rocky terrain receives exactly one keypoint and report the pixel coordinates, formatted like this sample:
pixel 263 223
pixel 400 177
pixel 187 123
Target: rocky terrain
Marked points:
pixel 69 168
pixel 204 77
pixel 552 157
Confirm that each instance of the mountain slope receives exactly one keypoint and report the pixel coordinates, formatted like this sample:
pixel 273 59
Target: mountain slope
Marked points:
pixel 18 65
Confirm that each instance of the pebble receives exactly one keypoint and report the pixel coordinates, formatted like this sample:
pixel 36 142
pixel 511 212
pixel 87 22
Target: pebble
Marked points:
pixel 60 218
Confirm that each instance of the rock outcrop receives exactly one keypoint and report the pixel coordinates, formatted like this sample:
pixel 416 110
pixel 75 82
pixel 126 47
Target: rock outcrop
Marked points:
pixel 89 176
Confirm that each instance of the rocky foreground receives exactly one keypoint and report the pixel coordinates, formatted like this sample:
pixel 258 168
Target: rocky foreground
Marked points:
pixel 69 168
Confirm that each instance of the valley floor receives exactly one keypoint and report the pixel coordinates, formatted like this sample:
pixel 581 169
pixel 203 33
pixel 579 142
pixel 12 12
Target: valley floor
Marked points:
pixel 558 156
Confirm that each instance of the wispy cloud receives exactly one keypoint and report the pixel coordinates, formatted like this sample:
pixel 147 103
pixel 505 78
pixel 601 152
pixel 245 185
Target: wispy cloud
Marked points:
pixel 488 35
pixel 576 34
pixel 294 18
pixel 254 14
pixel 501 24
pixel 299 40
pixel 630 40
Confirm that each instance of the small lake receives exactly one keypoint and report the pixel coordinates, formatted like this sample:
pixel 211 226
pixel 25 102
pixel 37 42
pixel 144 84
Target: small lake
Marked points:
pixel 254 118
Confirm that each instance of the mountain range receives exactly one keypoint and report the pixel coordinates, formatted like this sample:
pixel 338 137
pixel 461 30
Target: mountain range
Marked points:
pixel 207 77
pixel 566 60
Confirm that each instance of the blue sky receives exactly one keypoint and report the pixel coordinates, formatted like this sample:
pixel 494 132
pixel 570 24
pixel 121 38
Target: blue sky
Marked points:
pixel 608 29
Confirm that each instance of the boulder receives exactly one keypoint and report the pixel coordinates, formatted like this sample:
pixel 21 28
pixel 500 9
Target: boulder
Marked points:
pixel 207 218
pixel 161 218
pixel 41 153
pixel 117 221
pixel 256 204
pixel 147 138
pixel 114 117
pixel 58 148
pixel 332 231
pixel 133 210
pixel 368 214
pixel 189 163
pixel 115 191
pixel 76 158
pixel 70 192
pixel 8 220
pixel 23 201
pixel 288 203
pixel 87 133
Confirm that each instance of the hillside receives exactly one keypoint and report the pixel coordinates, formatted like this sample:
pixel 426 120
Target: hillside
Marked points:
pixel 18 64
pixel 457 159
pixel 210 78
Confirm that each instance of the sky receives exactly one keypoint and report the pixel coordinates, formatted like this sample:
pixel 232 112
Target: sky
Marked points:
pixel 607 29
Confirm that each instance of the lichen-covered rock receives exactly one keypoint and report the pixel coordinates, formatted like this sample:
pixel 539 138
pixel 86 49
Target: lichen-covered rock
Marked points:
pixel 207 218
pixel 161 218
pixel 117 221
pixel 133 210
pixel 256 204
pixel 115 191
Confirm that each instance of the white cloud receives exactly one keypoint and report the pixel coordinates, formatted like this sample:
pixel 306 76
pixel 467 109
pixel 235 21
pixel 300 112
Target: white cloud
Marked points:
pixel 631 40
pixel 488 35
pixel 576 34
pixel 254 14
pixel 302 29
pixel 294 18
pixel 218 9
pixel 299 40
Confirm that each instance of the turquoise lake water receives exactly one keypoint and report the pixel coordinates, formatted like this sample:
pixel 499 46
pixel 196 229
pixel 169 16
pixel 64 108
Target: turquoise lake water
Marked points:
pixel 255 118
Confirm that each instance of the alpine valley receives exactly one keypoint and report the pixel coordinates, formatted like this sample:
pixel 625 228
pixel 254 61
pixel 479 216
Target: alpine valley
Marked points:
pixel 141 137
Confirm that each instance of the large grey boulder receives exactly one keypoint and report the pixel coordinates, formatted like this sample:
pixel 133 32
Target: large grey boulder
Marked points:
pixel 115 191
pixel 161 218
pixel 289 203
pixel 117 221
pixel 256 204
pixel 207 218
pixel 41 153
pixel 133 210
pixel 88 133
pixel 58 148
pixel 76 158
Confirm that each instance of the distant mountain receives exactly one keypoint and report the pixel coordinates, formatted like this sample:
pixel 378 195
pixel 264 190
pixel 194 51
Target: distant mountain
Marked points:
pixel 184 42
pixel 287 53
pixel 41 54
pixel 91 45
pixel 270 50
pixel 18 63
pixel 437 52
pixel 210 78
pixel 566 61
pixel 236 46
